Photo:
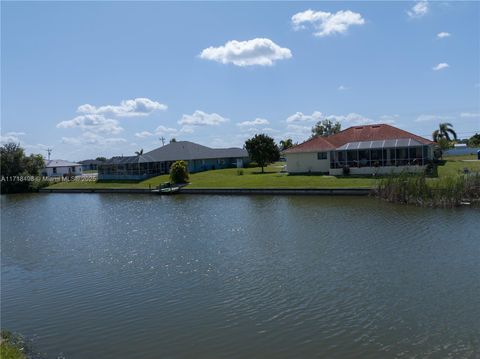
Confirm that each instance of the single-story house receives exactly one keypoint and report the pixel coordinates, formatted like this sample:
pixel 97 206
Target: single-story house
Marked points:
pixel 158 161
pixel 364 150
pixel 61 168
pixel 90 165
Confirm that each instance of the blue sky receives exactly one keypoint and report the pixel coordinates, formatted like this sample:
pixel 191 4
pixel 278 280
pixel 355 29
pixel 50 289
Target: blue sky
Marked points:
pixel 108 78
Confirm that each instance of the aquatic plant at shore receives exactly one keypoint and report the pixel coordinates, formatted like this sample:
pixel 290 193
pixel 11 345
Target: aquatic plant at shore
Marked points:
pixel 449 191
pixel 15 346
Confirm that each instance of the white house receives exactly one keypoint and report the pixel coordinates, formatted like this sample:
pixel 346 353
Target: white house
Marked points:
pixel 364 150
pixel 60 168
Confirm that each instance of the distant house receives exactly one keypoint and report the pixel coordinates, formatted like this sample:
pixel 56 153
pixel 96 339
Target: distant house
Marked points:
pixel 61 168
pixel 364 150
pixel 90 165
pixel 157 162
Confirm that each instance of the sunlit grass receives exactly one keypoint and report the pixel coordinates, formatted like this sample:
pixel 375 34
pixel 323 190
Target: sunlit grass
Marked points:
pixel 272 178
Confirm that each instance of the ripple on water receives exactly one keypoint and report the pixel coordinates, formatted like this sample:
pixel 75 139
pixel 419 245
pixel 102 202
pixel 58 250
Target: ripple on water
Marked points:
pixel 236 277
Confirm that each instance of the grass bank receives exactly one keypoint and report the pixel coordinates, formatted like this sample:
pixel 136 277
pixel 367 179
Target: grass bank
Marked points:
pixel 272 178
pixel 14 346
pixel 238 178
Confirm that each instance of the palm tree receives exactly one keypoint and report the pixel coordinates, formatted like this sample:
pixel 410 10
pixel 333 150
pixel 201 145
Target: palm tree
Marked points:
pixel 444 131
pixel 285 144
pixel 139 153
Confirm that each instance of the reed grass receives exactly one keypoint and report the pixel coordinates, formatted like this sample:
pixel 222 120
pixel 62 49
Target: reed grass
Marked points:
pixel 448 191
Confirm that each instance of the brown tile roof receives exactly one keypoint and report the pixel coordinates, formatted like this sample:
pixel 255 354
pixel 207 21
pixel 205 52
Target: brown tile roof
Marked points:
pixel 355 134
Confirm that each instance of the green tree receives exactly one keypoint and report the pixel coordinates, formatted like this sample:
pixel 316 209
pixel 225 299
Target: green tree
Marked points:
pixel 286 144
pixel 326 128
pixel 173 140
pixel 179 172
pixel 101 159
pixel 474 141
pixel 445 130
pixel 262 149
pixel 139 153
pixel 17 169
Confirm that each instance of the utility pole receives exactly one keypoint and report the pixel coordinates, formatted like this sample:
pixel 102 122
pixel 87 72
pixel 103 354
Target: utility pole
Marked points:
pixel 163 140
pixel 49 151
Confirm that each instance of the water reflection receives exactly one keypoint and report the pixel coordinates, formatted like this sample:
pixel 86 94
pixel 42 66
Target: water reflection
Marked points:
pixel 246 276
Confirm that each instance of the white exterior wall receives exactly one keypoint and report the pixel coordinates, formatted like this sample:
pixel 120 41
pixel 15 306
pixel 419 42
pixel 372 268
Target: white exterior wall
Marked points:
pixel 307 162
pixel 62 171
pixel 378 170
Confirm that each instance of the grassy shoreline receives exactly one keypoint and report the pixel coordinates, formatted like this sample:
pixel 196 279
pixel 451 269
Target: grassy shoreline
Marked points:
pixel 271 179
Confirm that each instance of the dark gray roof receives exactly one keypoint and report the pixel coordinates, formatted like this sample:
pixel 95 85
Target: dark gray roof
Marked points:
pixel 59 163
pixel 185 150
pixel 365 145
pixel 181 150
pixel 90 162
pixel 121 160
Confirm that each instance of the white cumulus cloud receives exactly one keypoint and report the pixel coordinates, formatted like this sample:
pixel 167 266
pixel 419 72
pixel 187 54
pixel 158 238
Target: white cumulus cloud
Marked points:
pixel 259 51
pixel 419 9
pixel 200 118
pixel 144 134
pixel 440 66
pixel 127 108
pixel 301 117
pixel 159 131
pixel 442 35
pixel 351 119
pixel 93 123
pixel 326 23
pixel 256 122
pixel 10 137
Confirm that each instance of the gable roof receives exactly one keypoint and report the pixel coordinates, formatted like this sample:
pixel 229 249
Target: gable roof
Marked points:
pixel 59 163
pixel 181 150
pixel 185 150
pixel 364 133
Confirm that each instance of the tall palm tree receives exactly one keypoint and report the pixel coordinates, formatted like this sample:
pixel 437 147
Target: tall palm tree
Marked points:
pixel 139 153
pixel 445 130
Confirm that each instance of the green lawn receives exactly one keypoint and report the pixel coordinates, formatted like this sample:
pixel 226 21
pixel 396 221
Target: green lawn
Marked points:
pixel 272 178
pixel 460 157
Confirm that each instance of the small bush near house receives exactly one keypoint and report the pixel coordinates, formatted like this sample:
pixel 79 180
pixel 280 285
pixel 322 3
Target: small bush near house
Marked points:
pixel 346 170
pixel 179 172
pixel 239 172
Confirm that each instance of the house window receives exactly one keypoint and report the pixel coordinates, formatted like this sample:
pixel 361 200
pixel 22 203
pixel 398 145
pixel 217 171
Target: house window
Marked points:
pixel 54 170
pixel 73 169
pixel 322 155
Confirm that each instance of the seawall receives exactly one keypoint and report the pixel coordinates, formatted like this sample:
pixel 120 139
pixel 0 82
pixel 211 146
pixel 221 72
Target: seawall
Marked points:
pixel 226 191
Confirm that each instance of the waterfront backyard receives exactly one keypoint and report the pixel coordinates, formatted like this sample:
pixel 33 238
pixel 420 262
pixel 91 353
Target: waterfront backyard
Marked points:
pixel 141 276
pixel 272 178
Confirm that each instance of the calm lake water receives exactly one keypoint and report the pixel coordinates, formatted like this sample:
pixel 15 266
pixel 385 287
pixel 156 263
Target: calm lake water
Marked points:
pixel 134 276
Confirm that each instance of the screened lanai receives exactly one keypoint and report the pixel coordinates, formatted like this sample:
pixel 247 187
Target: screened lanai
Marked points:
pixel 397 152
pixel 132 167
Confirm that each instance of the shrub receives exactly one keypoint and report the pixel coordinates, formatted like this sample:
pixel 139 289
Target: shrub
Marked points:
pixel 239 172
pixel 179 172
pixel 346 170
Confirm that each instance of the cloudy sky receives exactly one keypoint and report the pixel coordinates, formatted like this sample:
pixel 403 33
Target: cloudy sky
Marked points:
pixel 108 78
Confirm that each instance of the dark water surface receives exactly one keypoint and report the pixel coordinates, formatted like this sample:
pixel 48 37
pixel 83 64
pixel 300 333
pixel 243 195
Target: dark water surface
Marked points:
pixel 134 276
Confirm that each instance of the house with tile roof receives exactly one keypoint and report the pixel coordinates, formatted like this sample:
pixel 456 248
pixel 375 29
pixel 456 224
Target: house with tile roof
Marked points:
pixel 364 150
pixel 158 161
